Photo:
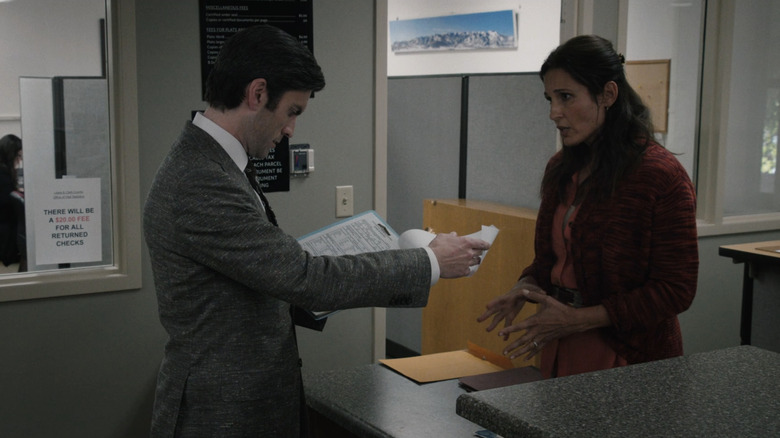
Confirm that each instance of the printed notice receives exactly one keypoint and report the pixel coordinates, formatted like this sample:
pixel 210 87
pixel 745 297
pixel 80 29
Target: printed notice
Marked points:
pixel 366 232
pixel 68 224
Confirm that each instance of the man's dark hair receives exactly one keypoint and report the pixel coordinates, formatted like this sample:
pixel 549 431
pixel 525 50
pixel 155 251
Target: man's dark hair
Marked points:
pixel 263 52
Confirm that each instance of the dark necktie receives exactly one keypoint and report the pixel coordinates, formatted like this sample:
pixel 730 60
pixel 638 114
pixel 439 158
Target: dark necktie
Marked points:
pixel 252 175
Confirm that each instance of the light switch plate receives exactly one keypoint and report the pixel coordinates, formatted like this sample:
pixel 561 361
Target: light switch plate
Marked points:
pixel 344 201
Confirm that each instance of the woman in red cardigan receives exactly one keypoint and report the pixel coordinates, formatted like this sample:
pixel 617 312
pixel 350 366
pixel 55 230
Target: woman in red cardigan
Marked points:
pixel 616 246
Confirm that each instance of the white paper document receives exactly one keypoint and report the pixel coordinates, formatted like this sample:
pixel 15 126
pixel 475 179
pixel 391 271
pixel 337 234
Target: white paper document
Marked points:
pixel 367 232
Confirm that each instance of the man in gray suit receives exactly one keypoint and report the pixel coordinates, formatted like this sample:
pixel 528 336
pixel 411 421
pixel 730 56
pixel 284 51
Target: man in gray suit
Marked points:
pixel 227 277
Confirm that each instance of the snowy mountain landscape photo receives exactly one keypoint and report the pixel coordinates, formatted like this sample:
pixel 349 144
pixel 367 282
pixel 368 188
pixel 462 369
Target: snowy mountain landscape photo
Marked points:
pixel 478 31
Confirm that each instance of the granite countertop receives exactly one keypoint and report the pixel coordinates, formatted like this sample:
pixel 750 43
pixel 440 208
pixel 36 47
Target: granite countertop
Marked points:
pixel 729 393
pixel 374 401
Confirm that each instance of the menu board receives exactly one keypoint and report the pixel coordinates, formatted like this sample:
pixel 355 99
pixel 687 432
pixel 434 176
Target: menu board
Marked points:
pixel 220 19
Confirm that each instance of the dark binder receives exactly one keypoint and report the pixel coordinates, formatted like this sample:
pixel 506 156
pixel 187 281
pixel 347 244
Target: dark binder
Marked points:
pixel 514 376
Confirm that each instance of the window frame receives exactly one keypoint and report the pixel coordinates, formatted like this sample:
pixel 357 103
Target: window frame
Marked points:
pixel 713 124
pixel 715 75
pixel 125 272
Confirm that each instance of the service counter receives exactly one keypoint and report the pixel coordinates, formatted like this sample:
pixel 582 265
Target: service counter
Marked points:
pixel 730 392
pixel 733 392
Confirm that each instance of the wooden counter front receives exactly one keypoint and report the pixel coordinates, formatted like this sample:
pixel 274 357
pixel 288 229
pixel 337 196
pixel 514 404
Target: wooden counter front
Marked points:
pixel 449 319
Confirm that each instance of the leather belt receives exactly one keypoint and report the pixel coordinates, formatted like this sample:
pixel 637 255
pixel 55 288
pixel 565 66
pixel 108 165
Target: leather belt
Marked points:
pixel 571 297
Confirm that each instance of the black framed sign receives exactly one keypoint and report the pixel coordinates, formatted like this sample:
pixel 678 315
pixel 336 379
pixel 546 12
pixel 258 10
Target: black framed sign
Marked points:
pixel 220 19
pixel 273 171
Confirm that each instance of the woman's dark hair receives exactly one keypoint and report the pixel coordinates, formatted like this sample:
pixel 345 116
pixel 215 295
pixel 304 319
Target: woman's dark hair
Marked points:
pixel 592 61
pixel 10 145
pixel 263 52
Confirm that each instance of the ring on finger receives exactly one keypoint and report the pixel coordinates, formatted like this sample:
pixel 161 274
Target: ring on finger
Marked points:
pixel 536 345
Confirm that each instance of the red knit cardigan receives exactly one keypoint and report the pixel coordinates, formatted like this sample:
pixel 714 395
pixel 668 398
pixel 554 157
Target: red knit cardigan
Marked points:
pixel 636 253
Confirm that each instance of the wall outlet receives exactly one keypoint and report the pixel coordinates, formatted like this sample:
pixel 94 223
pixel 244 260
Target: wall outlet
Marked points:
pixel 344 201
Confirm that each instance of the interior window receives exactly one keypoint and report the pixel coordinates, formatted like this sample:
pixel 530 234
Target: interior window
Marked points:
pixel 670 30
pixel 751 186
pixel 76 114
pixel 59 104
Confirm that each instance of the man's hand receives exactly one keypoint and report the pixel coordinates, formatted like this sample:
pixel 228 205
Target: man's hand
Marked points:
pixel 456 255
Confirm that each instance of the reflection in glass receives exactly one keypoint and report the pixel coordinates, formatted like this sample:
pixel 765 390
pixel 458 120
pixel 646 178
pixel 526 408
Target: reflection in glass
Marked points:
pixel 672 30
pixel 769 155
pixel 751 152
pixel 13 254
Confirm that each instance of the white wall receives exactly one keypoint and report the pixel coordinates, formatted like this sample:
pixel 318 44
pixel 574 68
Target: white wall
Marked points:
pixel 27 28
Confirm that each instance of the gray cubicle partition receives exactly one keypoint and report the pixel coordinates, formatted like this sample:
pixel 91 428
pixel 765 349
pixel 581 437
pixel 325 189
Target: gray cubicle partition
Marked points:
pixel 508 140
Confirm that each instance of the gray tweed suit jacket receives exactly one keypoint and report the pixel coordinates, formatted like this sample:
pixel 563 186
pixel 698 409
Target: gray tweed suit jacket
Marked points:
pixel 225 280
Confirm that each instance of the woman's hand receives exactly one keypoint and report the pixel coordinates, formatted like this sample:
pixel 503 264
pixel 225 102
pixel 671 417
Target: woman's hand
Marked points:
pixel 553 320
pixel 506 307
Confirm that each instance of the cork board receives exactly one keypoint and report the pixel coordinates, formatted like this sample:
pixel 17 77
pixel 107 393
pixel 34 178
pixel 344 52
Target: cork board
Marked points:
pixel 650 79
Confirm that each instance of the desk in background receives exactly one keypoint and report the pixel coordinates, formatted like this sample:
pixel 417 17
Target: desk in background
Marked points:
pixel 725 393
pixel 760 292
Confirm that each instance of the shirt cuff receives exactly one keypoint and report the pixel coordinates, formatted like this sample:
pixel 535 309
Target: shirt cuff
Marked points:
pixel 435 271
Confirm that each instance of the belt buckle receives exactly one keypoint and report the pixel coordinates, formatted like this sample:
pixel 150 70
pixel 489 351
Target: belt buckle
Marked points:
pixel 570 297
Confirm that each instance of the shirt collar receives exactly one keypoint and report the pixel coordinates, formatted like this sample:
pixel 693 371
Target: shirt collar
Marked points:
pixel 229 143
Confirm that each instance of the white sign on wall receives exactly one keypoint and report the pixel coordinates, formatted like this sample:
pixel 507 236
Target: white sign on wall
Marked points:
pixel 68 222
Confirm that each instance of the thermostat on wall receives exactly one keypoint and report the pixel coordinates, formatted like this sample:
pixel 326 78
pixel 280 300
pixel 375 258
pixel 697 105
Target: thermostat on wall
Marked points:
pixel 301 159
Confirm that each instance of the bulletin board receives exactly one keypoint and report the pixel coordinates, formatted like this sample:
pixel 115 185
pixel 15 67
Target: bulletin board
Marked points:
pixel 650 79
